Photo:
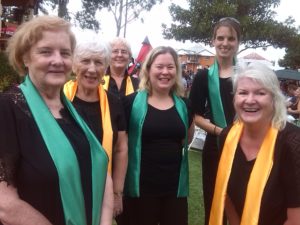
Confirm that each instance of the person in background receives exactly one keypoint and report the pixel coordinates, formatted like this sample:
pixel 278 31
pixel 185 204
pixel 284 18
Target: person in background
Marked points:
pixel 293 105
pixel 211 98
pixel 160 128
pixel 117 80
pixel 52 168
pixel 258 179
pixel 102 111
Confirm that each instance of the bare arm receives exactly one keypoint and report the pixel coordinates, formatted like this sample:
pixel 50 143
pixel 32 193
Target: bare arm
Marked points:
pixel 231 213
pixel 206 125
pixel 293 216
pixel 120 160
pixel 14 211
pixel 108 201
pixel 191 131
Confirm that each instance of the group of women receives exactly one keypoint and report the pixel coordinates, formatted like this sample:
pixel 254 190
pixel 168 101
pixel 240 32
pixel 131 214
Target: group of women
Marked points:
pixel 84 150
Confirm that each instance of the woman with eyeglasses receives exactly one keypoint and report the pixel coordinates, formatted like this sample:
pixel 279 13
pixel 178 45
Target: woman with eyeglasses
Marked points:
pixel 117 80
pixel 211 99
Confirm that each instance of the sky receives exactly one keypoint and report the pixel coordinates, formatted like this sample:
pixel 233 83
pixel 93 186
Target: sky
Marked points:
pixel 137 31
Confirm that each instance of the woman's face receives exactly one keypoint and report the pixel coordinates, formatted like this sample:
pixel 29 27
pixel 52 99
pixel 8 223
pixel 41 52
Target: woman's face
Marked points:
pixel 226 42
pixel 49 61
pixel 162 73
pixel 89 70
pixel 120 56
pixel 253 103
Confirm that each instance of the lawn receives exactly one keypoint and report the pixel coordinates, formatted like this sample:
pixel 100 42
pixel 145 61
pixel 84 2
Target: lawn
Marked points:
pixel 195 200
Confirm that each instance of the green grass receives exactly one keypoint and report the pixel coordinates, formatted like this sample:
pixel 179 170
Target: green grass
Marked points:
pixel 195 200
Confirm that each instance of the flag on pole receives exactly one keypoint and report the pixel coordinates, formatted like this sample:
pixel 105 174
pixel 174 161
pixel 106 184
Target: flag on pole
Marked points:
pixel 146 47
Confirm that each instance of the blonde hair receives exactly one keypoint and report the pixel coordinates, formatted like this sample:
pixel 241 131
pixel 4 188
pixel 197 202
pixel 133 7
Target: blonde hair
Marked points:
pixel 29 33
pixel 145 83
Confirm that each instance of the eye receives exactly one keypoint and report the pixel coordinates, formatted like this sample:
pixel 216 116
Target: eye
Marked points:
pixel 231 39
pixel 66 53
pixel 85 61
pixel 220 38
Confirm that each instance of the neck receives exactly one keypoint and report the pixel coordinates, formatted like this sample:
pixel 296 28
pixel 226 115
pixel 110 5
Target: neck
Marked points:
pixel 117 72
pixel 225 67
pixel 161 100
pixel 88 95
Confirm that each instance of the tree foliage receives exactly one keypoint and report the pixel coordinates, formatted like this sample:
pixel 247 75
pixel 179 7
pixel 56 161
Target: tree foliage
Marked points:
pixel 123 11
pixel 291 60
pixel 259 29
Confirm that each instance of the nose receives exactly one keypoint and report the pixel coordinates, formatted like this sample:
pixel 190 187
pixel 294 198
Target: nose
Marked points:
pixel 57 59
pixel 165 70
pixel 250 98
pixel 92 67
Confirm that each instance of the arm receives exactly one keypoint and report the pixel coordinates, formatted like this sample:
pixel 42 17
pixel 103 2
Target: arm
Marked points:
pixel 295 111
pixel 14 211
pixel 231 213
pixel 206 125
pixel 191 131
pixel 120 160
pixel 107 205
pixel 293 216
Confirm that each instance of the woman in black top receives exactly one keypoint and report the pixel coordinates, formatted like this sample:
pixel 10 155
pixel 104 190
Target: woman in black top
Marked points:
pixel 102 111
pixel 160 128
pixel 211 99
pixel 117 80
pixel 52 169
pixel 258 179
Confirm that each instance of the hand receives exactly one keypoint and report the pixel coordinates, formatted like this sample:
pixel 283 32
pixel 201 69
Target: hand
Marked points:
pixel 118 204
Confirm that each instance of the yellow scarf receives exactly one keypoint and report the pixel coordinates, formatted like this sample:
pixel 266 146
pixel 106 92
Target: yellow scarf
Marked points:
pixel 257 181
pixel 70 89
pixel 129 85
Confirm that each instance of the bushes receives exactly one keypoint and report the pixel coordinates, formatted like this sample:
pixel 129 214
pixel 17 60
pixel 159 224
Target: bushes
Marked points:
pixel 8 75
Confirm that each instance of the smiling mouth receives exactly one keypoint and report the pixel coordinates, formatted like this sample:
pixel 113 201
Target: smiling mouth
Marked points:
pixel 90 78
pixel 250 110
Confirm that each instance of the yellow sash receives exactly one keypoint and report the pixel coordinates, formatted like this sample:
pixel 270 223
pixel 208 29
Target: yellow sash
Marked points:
pixel 129 86
pixel 70 89
pixel 257 181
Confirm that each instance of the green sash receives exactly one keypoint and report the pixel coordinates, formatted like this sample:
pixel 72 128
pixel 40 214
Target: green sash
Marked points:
pixel 214 96
pixel 137 117
pixel 65 159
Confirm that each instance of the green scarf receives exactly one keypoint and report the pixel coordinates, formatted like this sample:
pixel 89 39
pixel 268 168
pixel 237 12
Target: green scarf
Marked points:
pixel 214 96
pixel 137 117
pixel 65 159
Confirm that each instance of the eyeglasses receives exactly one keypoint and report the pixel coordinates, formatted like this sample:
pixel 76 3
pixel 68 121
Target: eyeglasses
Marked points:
pixel 122 51
pixel 230 19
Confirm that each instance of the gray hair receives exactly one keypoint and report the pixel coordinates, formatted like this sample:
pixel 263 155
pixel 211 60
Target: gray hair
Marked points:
pixel 268 79
pixel 122 41
pixel 86 49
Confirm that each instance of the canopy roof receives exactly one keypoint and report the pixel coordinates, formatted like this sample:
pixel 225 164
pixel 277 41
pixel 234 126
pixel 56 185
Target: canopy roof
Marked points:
pixel 288 74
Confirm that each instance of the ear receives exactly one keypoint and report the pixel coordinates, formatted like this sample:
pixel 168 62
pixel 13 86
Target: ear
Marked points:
pixel 26 59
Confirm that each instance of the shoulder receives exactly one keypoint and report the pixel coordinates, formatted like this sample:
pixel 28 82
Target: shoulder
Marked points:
pixel 201 74
pixel 135 81
pixel 290 137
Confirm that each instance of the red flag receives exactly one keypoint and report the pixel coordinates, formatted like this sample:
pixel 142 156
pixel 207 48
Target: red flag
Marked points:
pixel 146 47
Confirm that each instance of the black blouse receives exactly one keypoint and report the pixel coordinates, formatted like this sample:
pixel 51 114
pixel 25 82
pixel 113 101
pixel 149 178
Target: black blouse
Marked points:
pixel 26 163
pixel 162 135
pixel 91 113
pixel 282 190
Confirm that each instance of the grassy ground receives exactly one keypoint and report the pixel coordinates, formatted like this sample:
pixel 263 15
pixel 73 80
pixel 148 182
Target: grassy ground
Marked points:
pixel 195 200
